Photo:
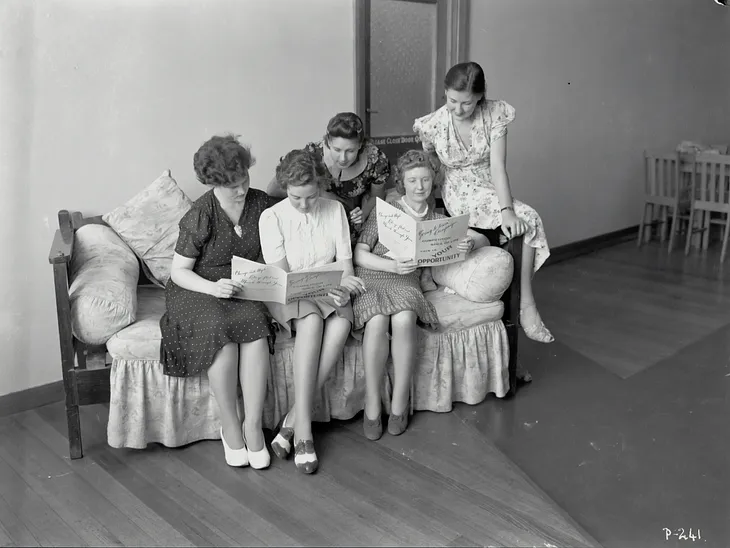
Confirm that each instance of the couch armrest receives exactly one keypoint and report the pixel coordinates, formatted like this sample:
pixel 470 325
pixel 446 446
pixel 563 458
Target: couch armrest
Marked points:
pixel 63 241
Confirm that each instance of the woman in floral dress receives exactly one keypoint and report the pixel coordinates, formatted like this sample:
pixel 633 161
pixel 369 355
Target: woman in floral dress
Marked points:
pixel 357 170
pixel 468 135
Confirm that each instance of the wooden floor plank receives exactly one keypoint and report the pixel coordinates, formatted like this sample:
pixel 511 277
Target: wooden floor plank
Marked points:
pixel 161 533
pixel 17 532
pixel 621 311
pixel 80 505
pixel 456 452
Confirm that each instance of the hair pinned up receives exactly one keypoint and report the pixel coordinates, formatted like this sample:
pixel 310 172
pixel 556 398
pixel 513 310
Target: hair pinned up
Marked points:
pixel 299 168
pixel 346 125
pixel 413 159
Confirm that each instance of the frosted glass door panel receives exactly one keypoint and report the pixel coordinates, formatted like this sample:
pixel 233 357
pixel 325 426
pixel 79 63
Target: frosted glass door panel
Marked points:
pixel 402 64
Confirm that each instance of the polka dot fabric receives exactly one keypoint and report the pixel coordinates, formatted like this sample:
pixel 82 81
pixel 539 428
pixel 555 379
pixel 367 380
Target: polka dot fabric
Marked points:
pixel 195 326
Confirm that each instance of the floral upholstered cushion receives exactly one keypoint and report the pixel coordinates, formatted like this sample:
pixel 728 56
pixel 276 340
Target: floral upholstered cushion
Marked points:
pixel 482 277
pixel 103 292
pixel 148 223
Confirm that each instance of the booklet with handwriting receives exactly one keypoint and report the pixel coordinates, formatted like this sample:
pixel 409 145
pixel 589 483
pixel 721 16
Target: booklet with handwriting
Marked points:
pixel 270 283
pixel 428 242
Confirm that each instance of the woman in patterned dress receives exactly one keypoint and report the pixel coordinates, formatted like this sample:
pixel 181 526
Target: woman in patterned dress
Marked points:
pixel 357 170
pixel 305 231
pixel 203 328
pixel 469 137
pixel 394 300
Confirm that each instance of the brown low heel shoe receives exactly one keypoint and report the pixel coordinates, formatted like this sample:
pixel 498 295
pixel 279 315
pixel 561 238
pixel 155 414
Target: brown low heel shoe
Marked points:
pixel 373 428
pixel 397 424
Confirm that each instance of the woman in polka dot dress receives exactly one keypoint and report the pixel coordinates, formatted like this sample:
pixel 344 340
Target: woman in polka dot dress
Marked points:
pixel 204 328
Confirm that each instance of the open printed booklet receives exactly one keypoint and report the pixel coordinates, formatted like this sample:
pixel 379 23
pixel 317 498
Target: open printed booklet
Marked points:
pixel 263 282
pixel 428 242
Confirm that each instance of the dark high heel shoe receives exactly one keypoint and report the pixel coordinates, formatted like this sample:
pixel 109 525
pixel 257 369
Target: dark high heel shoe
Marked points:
pixel 304 456
pixel 397 424
pixel 281 446
pixel 373 428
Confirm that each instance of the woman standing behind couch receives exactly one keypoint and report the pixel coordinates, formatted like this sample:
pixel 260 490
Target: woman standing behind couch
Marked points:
pixel 357 170
pixel 469 136
pixel 394 300
pixel 305 231
pixel 203 327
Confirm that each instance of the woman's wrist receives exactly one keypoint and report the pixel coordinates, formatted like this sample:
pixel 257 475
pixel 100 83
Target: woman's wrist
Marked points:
pixel 507 209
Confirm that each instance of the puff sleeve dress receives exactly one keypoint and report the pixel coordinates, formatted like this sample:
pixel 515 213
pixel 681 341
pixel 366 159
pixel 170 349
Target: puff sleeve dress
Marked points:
pixel 467 186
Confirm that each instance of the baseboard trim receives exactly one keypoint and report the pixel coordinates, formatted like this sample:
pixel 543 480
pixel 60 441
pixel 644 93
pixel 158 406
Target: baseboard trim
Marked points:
pixel 589 245
pixel 31 398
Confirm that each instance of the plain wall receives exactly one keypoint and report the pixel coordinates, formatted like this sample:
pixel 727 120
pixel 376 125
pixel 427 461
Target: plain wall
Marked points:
pixel 99 97
pixel 594 83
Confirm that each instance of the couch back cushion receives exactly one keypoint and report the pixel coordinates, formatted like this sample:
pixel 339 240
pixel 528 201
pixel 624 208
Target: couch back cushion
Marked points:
pixel 482 277
pixel 103 293
pixel 149 224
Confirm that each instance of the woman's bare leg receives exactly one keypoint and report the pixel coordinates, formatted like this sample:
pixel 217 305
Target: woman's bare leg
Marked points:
pixel 529 316
pixel 223 378
pixel 307 348
pixel 404 358
pixel 254 373
pixel 375 350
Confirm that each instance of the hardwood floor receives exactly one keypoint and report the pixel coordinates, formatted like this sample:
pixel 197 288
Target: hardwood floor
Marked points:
pixel 627 308
pixel 440 484
pixel 620 434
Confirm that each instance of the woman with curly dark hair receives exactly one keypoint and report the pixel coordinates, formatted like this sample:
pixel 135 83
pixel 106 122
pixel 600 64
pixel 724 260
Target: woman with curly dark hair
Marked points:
pixel 394 301
pixel 305 231
pixel 204 328
pixel 357 170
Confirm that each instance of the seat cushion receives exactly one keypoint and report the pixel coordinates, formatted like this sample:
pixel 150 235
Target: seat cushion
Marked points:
pixel 456 312
pixel 141 340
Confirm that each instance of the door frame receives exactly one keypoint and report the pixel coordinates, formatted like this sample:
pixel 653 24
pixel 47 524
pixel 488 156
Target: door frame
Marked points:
pixel 451 39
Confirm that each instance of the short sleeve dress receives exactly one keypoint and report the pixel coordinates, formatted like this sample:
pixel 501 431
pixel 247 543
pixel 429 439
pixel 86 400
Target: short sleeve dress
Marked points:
pixel 307 240
pixel 195 325
pixel 388 293
pixel 467 186
pixel 351 184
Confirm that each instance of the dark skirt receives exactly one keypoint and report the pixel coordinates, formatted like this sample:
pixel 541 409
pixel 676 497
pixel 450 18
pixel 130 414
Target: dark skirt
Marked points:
pixel 196 326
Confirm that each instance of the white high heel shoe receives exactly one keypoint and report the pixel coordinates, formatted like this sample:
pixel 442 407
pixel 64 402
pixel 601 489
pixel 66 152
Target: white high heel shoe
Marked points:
pixel 537 332
pixel 257 459
pixel 235 457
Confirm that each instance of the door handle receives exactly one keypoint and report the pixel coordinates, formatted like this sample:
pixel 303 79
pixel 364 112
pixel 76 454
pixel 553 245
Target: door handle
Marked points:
pixel 371 111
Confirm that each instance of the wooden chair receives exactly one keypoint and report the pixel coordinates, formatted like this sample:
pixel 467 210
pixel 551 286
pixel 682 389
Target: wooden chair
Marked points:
pixel 666 188
pixel 710 193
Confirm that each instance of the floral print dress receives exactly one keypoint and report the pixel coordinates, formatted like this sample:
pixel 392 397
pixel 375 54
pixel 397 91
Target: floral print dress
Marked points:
pixel 467 186
pixel 351 184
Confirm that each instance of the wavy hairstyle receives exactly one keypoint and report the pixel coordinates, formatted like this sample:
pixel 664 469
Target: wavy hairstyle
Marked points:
pixel 222 160
pixel 413 159
pixel 346 125
pixel 298 168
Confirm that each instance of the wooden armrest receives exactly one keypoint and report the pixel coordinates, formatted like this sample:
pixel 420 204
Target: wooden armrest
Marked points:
pixel 61 249
pixel 63 240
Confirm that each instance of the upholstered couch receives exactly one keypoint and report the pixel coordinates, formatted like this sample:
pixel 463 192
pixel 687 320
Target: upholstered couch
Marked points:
pixel 109 274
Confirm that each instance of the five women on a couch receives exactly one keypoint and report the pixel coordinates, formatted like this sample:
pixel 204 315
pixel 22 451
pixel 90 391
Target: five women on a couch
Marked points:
pixel 330 189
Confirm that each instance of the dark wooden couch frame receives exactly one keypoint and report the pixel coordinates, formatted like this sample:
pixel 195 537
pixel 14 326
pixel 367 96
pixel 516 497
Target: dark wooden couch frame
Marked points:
pixel 88 386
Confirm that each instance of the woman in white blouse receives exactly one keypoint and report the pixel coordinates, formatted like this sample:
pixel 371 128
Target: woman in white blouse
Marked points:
pixel 305 231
